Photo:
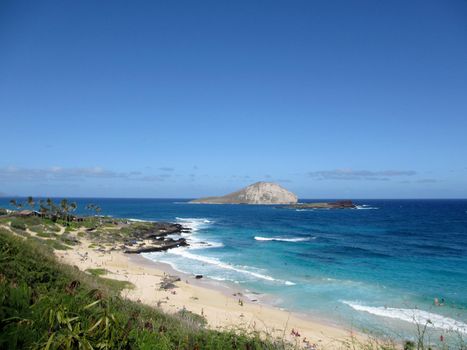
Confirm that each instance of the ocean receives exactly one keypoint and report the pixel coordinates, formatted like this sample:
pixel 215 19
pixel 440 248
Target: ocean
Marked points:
pixel 378 267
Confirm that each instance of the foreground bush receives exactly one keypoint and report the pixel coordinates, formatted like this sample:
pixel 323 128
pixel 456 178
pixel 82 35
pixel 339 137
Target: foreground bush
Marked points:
pixel 18 224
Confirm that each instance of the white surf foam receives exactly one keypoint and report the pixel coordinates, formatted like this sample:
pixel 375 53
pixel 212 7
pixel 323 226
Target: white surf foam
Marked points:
pixel 365 207
pixel 216 262
pixel 139 220
pixel 195 224
pixel 284 239
pixel 412 316
pixel 198 244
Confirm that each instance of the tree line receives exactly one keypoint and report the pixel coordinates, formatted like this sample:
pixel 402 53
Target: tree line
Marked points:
pixel 48 208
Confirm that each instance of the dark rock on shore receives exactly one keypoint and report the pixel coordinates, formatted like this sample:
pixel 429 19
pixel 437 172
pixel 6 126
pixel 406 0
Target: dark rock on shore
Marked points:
pixel 159 229
pixel 158 246
pixel 168 282
pixel 152 237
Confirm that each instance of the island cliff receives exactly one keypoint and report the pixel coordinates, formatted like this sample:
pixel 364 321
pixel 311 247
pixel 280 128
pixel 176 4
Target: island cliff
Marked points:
pixel 257 193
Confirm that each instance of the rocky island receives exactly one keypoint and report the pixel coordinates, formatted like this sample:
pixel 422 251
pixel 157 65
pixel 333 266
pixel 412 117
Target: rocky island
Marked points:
pixel 257 193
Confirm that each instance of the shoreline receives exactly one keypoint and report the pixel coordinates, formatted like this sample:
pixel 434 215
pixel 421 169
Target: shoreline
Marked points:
pixel 220 304
pixel 229 288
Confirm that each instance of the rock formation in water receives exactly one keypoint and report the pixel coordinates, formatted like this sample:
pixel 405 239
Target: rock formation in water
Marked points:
pixel 257 193
pixel 347 204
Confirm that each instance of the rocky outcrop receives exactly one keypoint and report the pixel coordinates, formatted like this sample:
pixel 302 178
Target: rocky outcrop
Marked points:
pixel 156 246
pixel 325 205
pixel 153 237
pixel 257 193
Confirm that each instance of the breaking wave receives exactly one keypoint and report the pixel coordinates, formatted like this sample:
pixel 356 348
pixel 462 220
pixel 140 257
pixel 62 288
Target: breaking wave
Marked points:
pixel 195 224
pixel 216 262
pixel 412 316
pixel 284 239
pixel 365 207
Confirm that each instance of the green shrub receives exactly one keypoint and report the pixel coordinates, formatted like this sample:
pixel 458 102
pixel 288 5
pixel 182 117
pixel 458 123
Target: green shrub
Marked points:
pixel 195 319
pixel 97 272
pixel 32 220
pixel 3 211
pixel 44 234
pixel 67 239
pixel 18 224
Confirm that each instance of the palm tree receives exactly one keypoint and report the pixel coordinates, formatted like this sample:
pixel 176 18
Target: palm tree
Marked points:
pixel 94 208
pixel 16 204
pixel 50 203
pixel 73 207
pixel 31 203
pixel 53 209
pixel 42 208
pixel 90 207
pixel 65 208
pixel 98 210
pixel 13 203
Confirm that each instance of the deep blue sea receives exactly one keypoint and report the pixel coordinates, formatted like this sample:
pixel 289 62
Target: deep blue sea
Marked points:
pixel 376 267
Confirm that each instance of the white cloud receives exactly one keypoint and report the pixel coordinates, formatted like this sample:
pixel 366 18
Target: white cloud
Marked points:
pixel 350 174
pixel 55 173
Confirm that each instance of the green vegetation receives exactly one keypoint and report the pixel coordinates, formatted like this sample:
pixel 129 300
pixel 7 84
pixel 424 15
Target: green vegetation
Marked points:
pixel 97 272
pixel 49 209
pixel 50 216
pixel 18 224
pixel 44 305
pixel 43 234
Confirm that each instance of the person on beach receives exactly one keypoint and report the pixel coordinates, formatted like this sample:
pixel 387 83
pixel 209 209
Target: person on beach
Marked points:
pixel 295 333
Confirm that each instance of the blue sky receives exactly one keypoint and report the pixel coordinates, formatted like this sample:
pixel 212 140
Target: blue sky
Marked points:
pixel 332 99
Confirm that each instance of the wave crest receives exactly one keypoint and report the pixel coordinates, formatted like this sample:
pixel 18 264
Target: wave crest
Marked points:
pixel 365 207
pixel 284 239
pixel 195 224
pixel 413 316
pixel 216 262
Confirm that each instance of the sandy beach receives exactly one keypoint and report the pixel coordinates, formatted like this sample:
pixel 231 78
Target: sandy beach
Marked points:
pixel 222 307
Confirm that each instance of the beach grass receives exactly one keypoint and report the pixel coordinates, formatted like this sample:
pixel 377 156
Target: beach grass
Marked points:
pixel 97 272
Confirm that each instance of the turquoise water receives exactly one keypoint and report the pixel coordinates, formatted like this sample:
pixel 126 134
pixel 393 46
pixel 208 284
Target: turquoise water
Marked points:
pixel 378 267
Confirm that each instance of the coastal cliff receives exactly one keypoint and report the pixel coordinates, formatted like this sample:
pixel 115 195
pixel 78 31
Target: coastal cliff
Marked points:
pixel 257 193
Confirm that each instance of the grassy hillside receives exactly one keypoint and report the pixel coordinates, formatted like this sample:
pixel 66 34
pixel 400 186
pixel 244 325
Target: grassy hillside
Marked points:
pixel 45 305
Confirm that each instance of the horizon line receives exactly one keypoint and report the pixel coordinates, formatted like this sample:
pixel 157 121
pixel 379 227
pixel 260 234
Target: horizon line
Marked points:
pixel 191 198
